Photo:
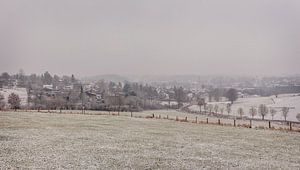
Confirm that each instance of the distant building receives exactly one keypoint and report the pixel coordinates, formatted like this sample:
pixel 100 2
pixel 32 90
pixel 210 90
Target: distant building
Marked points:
pixel 70 87
pixel 48 87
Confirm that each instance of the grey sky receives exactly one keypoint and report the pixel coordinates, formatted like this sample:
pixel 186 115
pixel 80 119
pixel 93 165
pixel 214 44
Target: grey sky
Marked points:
pixel 90 37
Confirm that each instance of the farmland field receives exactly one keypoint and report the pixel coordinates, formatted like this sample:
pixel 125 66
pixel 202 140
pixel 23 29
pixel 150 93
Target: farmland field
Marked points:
pixel 283 100
pixel 74 141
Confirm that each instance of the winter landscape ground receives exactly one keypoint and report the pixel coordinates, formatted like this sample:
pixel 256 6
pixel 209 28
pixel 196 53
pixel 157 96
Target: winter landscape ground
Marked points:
pixel 283 100
pixel 74 141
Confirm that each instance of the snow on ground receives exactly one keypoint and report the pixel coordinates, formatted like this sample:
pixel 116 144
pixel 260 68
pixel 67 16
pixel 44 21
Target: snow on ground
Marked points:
pixel 283 100
pixel 70 141
pixel 172 114
pixel 166 103
pixel 292 100
pixel 22 92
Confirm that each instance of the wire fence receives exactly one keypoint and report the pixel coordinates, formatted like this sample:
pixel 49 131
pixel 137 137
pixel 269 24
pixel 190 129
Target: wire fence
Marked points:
pixel 189 118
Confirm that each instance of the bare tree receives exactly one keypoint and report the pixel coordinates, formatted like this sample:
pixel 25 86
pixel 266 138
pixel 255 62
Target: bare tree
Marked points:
pixel 81 96
pixel 228 108
pixel 201 102
pixel 273 112
pixel 216 94
pixel 2 103
pixel 252 111
pixel 120 102
pixel 132 102
pixel 285 111
pixel 38 101
pixel 179 95
pixel 210 108
pixel 231 95
pixel 14 101
pixel 240 111
pixel 222 110
pixel 49 103
pixel 298 117
pixel 216 108
pixel 47 78
pixel 210 95
pixel 205 107
pixel 5 77
pixel 263 110
pixel 53 103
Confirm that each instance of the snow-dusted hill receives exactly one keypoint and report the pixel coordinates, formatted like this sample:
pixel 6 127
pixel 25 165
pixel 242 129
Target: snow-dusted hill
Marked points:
pixel 283 100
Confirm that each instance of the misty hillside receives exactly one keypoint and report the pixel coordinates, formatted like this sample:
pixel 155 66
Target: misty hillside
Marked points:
pixel 106 77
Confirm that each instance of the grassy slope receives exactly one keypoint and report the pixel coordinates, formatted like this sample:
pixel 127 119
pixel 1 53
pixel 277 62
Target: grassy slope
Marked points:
pixel 39 140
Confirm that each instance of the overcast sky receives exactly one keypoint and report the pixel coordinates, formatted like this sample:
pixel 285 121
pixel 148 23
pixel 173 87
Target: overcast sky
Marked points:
pixel 91 37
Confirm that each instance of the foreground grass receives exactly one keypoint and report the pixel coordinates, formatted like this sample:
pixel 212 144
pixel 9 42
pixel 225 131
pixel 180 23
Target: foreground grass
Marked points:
pixel 41 140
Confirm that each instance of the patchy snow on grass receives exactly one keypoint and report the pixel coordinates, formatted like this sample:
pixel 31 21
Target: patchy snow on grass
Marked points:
pixel 284 100
pixel 166 103
pixel 73 141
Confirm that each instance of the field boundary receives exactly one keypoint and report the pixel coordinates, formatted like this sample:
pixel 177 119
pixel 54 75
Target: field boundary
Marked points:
pixel 209 120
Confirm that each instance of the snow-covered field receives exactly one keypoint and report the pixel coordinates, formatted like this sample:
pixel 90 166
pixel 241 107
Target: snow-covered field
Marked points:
pixel 22 92
pixel 74 141
pixel 166 103
pixel 283 100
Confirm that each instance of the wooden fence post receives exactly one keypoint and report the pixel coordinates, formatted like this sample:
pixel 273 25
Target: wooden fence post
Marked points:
pixel 130 114
pixel 269 124
pixel 186 118
pixel 167 116
pixel 159 116
pixel 196 119
pixel 153 115
pixel 219 122
pixel 176 118
pixel 233 122
pixel 291 126
pixel 207 120
pixel 250 123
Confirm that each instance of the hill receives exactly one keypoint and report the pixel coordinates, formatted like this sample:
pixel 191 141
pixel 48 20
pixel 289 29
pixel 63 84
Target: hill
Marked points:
pixel 107 77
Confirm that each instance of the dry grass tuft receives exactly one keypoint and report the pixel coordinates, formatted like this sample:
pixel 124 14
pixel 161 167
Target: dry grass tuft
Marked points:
pixel 149 117
pixel 261 127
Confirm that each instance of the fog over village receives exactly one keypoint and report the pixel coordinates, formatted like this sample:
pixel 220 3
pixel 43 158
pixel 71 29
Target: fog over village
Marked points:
pixel 150 84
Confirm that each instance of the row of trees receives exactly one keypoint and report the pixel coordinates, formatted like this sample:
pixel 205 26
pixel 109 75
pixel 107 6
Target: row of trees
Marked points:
pixel 216 94
pixel 231 94
pixel 262 110
pixel 34 81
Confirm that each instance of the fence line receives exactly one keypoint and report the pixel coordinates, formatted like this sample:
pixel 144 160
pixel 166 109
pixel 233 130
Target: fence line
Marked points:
pixel 288 124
